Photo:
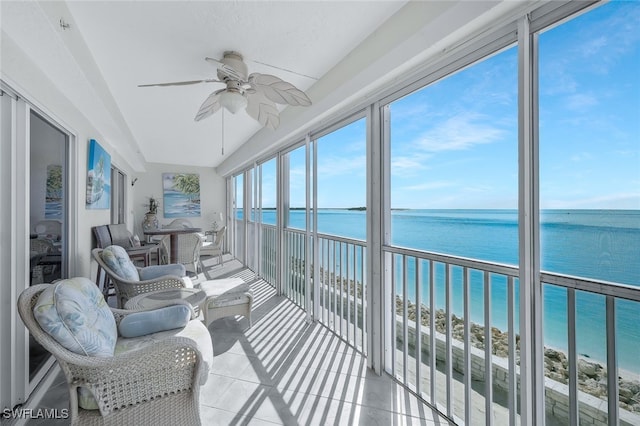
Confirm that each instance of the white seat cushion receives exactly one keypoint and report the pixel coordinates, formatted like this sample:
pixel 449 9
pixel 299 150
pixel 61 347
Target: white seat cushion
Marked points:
pixel 225 286
pixel 194 330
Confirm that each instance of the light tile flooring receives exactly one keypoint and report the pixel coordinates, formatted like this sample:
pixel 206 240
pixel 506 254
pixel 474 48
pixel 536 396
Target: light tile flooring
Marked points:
pixel 285 370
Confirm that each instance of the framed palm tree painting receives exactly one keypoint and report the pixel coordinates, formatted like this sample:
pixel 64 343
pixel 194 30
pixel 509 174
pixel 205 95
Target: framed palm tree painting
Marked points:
pixel 181 194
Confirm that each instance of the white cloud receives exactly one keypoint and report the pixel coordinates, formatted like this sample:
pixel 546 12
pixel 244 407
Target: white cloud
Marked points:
pixel 581 101
pixel 460 132
pixel 628 200
pixel 427 186
pixel 581 156
pixel 338 166
pixel 407 166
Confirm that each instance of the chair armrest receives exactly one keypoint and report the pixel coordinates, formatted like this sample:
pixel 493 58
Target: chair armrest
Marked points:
pixel 159 369
pixel 128 289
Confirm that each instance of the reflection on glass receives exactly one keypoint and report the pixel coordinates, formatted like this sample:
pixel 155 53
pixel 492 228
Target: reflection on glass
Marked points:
pixel 47 214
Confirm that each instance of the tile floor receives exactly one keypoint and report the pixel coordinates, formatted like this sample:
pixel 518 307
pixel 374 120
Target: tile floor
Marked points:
pixel 285 370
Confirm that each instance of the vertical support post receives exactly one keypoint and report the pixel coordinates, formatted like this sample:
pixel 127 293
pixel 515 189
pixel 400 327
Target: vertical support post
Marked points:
pixel 257 219
pixel 531 350
pixel 307 237
pixel 377 208
pixel 317 280
pixel 282 217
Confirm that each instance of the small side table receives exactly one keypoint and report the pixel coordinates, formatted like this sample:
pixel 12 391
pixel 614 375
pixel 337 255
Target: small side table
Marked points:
pixel 161 298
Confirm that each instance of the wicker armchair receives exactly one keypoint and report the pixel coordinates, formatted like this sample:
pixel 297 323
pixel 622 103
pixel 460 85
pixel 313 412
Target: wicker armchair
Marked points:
pixel 156 383
pixel 126 288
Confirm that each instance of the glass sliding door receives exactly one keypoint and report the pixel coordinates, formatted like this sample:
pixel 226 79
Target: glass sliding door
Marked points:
pixel 34 230
pixel 47 215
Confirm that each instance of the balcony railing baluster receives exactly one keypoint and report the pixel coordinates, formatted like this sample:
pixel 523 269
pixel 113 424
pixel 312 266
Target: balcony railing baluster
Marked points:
pixel 511 326
pixel 418 348
pixel 488 358
pixel 448 341
pixel 467 345
pixel 432 331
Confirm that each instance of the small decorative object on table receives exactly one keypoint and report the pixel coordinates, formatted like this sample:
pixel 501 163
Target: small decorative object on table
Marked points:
pixel 150 221
pixel 217 221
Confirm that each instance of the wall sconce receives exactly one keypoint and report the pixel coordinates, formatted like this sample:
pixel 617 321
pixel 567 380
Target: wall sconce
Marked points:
pixel 133 182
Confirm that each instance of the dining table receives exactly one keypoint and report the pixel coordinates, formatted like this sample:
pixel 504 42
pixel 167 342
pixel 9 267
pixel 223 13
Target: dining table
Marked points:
pixel 173 237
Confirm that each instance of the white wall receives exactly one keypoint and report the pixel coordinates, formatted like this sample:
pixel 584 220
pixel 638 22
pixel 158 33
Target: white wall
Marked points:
pixel 212 194
pixel 20 72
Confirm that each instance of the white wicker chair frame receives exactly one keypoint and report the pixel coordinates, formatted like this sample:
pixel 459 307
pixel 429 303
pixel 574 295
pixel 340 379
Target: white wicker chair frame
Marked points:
pixel 157 384
pixel 214 249
pixel 126 289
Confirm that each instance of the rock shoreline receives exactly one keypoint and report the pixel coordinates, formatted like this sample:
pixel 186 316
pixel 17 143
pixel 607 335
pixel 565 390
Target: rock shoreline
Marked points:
pixel 592 376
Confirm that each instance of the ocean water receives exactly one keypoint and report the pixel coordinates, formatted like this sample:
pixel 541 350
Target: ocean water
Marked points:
pixel 598 244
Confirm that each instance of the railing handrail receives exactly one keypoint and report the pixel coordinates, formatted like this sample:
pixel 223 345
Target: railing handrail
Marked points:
pixel 338 238
pixel 591 285
pixel 347 240
pixel 492 267
pixel 605 288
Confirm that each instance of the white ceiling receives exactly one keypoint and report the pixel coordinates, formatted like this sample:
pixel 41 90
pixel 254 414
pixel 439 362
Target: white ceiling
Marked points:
pixel 111 47
pixel 134 43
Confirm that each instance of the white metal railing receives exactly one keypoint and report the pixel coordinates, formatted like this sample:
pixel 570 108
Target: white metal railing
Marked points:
pixel 342 287
pixel 269 253
pixel 441 306
pixel 295 261
pixel 438 354
pixel 338 284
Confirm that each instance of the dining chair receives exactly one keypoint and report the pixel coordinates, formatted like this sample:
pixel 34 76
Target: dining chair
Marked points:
pixel 189 246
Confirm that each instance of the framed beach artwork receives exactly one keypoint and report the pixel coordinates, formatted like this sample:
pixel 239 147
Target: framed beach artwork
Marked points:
pixel 98 177
pixel 181 194
pixel 53 193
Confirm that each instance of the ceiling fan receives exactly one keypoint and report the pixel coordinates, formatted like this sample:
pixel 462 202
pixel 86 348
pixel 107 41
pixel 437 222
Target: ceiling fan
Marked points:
pixel 256 92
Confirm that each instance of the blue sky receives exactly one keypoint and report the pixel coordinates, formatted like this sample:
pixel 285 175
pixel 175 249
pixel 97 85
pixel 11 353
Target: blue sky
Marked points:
pixel 454 143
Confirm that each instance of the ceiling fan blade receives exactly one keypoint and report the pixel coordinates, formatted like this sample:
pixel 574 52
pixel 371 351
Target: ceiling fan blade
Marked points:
pixel 263 110
pixel 278 90
pixel 209 106
pixel 226 69
pixel 182 83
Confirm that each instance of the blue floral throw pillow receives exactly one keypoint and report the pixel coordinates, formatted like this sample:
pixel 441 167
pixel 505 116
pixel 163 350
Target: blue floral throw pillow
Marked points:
pixel 117 259
pixel 75 314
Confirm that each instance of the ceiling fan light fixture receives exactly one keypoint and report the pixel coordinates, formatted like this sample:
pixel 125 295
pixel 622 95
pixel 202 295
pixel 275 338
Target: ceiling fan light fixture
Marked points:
pixel 233 100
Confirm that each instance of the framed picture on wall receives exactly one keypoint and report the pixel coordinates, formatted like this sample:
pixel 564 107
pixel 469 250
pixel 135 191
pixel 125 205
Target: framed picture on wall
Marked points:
pixel 181 193
pixel 98 177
